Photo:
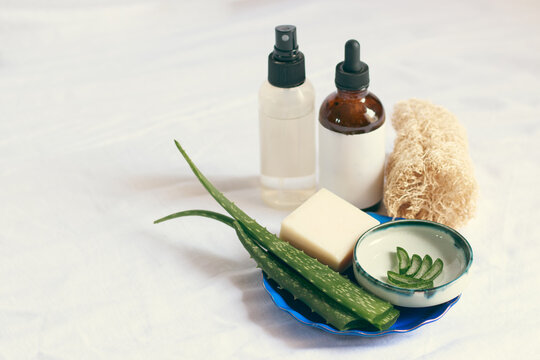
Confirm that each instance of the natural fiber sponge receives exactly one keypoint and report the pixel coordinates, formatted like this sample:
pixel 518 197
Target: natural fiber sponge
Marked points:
pixel 429 174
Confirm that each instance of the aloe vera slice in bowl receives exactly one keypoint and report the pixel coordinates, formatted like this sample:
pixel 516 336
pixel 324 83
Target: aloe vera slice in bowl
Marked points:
pixel 424 267
pixel 434 271
pixel 416 261
pixel 403 260
pixel 408 282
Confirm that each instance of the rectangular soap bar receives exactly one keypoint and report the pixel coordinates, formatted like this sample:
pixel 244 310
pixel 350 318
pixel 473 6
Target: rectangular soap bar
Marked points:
pixel 326 227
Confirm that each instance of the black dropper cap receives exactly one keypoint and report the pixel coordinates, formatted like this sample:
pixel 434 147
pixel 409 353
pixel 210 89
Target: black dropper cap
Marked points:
pixel 352 74
pixel 286 66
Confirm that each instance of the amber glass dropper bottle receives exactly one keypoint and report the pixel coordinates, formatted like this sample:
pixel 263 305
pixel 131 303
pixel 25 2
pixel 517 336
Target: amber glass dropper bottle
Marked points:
pixel 352 136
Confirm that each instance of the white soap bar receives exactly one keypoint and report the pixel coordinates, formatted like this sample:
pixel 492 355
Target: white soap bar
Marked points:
pixel 326 227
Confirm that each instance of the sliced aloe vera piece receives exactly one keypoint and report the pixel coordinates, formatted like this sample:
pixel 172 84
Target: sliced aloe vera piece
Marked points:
pixel 403 260
pixel 416 261
pixel 424 267
pixel 408 282
pixel 434 271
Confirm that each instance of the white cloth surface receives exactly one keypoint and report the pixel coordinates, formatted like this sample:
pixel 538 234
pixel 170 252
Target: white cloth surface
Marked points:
pixel 92 94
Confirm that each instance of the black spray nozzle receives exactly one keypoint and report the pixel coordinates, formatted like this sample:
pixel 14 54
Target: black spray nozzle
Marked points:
pixel 352 74
pixel 286 65
pixel 286 47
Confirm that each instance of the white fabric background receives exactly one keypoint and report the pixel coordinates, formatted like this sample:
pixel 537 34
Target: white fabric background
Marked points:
pixel 92 94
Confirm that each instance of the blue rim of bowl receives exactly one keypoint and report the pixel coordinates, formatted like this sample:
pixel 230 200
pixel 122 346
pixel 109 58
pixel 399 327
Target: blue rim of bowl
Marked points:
pixel 455 235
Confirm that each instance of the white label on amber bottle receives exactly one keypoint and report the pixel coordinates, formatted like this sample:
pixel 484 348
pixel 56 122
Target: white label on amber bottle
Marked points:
pixel 352 166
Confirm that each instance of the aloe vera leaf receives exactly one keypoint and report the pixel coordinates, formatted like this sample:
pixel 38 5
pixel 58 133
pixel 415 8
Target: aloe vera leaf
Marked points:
pixel 416 261
pixel 426 264
pixel 403 260
pixel 408 282
pixel 434 271
pixel 283 275
pixel 333 284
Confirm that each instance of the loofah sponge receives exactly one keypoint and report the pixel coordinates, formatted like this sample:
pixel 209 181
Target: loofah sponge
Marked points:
pixel 429 174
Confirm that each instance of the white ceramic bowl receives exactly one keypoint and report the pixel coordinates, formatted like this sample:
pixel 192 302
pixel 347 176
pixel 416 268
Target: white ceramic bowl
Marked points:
pixel 375 254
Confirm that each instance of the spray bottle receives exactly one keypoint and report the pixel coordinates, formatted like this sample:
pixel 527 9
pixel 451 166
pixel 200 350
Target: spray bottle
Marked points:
pixel 287 125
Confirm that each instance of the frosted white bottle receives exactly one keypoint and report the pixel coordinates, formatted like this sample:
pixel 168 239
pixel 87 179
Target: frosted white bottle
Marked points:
pixel 287 126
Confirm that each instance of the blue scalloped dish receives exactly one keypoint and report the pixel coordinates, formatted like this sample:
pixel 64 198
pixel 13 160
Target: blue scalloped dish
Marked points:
pixel 409 319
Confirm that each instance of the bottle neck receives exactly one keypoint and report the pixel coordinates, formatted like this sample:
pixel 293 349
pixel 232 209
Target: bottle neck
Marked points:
pixel 352 94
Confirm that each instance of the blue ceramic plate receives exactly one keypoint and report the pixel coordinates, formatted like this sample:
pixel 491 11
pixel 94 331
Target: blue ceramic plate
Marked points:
pixel 409 318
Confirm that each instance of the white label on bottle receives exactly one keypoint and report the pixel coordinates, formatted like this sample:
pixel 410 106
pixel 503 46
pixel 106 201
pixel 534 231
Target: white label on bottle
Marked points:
pixel 352 166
